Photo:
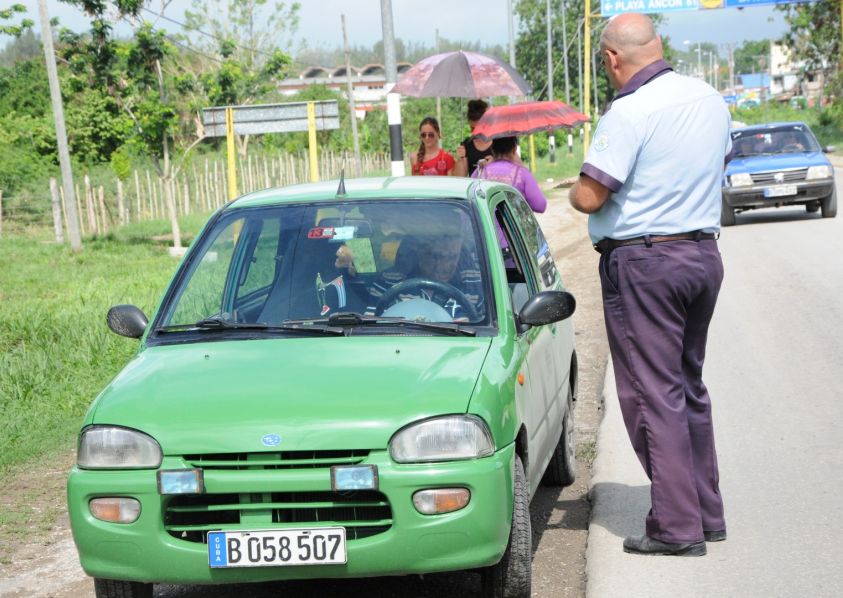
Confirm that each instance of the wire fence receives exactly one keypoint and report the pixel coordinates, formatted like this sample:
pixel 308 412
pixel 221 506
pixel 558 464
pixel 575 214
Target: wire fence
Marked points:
pixel 202 187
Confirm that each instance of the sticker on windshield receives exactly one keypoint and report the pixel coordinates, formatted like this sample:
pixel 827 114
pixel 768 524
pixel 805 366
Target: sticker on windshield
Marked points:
pixel 321 232
pixel 343 233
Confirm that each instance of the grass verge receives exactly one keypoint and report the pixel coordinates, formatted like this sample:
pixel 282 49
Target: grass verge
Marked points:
pixel 56 352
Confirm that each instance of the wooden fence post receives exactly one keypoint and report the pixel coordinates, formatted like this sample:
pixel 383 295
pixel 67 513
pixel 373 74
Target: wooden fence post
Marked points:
pixel 121 206
pixel 64 209
pixel 79 210
pixel 1 212
pixel 89 205
pixel 57 225
pixel 104 219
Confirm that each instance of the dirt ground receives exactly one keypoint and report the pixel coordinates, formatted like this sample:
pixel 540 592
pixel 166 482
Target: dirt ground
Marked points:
pixel 38 557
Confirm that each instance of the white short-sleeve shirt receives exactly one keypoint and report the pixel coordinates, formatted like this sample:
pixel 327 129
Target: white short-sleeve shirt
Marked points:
pixel 660 149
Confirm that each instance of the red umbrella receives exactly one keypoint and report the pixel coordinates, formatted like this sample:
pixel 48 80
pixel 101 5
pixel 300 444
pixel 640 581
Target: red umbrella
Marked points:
pixel 525 118
pixel 461 75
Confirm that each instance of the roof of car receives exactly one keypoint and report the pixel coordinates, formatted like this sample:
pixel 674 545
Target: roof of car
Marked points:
pixel 775 125
pixel 406 187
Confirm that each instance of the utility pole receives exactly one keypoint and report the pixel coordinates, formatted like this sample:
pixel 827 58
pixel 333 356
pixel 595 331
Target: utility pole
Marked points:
pixel 587 73
pixel 61 132
pixel 579 62
pixel 731 69
pixel 551 138
pixel 357 171
pixel 393 101
pixel 565 64
pixel 511 34
pixel 438 99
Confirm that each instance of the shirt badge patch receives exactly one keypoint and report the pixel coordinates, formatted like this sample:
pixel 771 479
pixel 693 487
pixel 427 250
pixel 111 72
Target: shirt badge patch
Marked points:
pixel 601 142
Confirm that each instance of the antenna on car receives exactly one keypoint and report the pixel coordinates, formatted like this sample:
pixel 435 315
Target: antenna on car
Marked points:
pixel 341 188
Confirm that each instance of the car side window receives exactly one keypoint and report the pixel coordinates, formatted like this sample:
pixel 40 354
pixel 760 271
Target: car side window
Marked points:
pixel 535 240
pixel 260 270
pixel 519 273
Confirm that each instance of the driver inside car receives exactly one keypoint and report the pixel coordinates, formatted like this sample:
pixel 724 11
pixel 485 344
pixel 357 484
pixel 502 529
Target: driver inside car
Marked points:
pixel 436 268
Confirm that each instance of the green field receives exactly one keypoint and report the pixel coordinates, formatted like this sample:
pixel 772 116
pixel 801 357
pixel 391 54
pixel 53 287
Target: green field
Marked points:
pixel 56 352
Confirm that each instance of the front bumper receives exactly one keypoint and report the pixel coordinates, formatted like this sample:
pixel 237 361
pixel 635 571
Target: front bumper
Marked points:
pixel 752 197
pixel 474 536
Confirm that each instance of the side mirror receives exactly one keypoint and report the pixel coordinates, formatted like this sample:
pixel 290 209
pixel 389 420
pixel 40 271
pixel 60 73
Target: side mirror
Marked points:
pixel 547 307
pixel 126 320
pixel 829 149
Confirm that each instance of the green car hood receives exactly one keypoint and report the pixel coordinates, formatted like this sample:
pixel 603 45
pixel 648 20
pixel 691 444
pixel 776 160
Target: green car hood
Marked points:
pixel 315 393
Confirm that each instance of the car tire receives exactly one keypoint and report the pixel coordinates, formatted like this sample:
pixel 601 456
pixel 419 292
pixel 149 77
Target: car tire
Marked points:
pixel 511 577
pixel 114 588
pixel 727 213
pixel 812 207
pixel 562 469
pixel 829 205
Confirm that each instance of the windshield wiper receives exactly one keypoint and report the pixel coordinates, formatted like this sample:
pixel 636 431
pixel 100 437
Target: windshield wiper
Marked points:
pixel 352 319
pixel 216 323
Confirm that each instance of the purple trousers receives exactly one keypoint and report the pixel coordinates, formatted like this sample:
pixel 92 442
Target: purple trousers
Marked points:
pixel 658 302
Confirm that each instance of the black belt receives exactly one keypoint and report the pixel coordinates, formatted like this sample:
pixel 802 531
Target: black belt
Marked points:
pixel 607 245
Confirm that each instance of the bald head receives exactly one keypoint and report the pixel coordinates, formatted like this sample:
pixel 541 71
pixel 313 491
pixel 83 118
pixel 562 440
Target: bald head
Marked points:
pixel 633 37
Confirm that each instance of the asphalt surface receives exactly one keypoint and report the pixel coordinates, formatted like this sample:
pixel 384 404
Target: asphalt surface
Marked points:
pixel 775 357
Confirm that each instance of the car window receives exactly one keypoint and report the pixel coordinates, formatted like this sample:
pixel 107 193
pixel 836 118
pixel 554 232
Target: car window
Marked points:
pixel 519 273
pixel 774 140
pixel 534 239
pixel 260 268
pixel 295 262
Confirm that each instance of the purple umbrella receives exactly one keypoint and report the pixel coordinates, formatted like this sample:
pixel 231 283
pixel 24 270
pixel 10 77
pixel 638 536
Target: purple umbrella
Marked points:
pixel 461 75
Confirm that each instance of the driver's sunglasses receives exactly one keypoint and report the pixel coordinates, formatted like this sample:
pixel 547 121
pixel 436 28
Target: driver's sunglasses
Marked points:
pixel 425 135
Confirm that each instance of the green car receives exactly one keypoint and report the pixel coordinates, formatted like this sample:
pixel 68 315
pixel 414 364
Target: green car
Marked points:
pixel 342 380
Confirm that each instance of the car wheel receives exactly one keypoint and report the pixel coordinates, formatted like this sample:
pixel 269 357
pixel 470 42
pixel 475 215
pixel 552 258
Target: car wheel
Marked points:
pixel 113 588
pixel 812 207
pixel 829 205
pixel 727 213
pixel 562 469
pixel 511 576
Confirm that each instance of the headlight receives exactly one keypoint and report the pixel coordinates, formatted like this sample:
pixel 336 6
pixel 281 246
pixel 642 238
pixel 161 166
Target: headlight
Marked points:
pixel 818 172
pixel 740 179
pixel 110 447
pixel 442 439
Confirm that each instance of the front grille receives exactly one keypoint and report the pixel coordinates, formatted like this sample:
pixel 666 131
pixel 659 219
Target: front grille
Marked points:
pixel 362 513
pixel 277 460
pixel 789 176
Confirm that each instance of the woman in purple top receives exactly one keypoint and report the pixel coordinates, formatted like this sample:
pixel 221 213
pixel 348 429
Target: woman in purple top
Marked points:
pixel 506 167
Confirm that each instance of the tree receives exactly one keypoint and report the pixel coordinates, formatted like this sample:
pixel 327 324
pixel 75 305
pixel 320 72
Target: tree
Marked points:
pixel 8 14
pixel 753 56
pixel 814 37
pixel 247 39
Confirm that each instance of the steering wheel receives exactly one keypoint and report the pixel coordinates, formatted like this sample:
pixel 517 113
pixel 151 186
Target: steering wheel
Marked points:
pixel 418 284
pixel 793 147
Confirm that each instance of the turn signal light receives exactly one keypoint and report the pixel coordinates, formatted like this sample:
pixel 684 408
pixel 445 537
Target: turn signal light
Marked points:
pixel 441 500
pixel 115 510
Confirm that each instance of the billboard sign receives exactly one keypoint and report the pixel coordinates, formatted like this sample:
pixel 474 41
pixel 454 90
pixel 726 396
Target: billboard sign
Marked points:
pixel 290 117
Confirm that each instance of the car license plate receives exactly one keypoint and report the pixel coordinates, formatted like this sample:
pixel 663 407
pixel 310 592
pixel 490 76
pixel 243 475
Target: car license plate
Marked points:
pixel 780 190
pixel 277 548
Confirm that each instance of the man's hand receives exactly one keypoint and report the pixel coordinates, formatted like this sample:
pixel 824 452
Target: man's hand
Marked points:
pixel 587 195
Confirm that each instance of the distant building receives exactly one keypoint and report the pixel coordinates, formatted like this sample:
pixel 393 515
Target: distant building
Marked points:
pixel 368 83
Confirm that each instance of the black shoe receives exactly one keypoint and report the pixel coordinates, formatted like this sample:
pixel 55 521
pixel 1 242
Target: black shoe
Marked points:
pixel 717 536
pixel 648 545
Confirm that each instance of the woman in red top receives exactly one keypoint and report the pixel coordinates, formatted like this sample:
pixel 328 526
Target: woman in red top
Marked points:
pixel 430 159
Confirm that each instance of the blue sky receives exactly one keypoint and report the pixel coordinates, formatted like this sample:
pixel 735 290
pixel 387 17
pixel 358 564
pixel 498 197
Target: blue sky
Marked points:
pixel 417 20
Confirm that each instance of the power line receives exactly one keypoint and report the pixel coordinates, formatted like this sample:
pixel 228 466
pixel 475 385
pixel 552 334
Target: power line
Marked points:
pixel 216 38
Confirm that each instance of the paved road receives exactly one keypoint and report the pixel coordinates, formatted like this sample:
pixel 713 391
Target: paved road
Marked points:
pixel 775 372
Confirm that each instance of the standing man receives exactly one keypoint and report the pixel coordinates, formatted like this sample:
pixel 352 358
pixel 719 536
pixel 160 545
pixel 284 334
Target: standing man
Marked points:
pixel 651 186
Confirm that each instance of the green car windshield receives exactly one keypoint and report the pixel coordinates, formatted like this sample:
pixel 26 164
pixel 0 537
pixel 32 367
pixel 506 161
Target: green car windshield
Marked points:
pixel 402 260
